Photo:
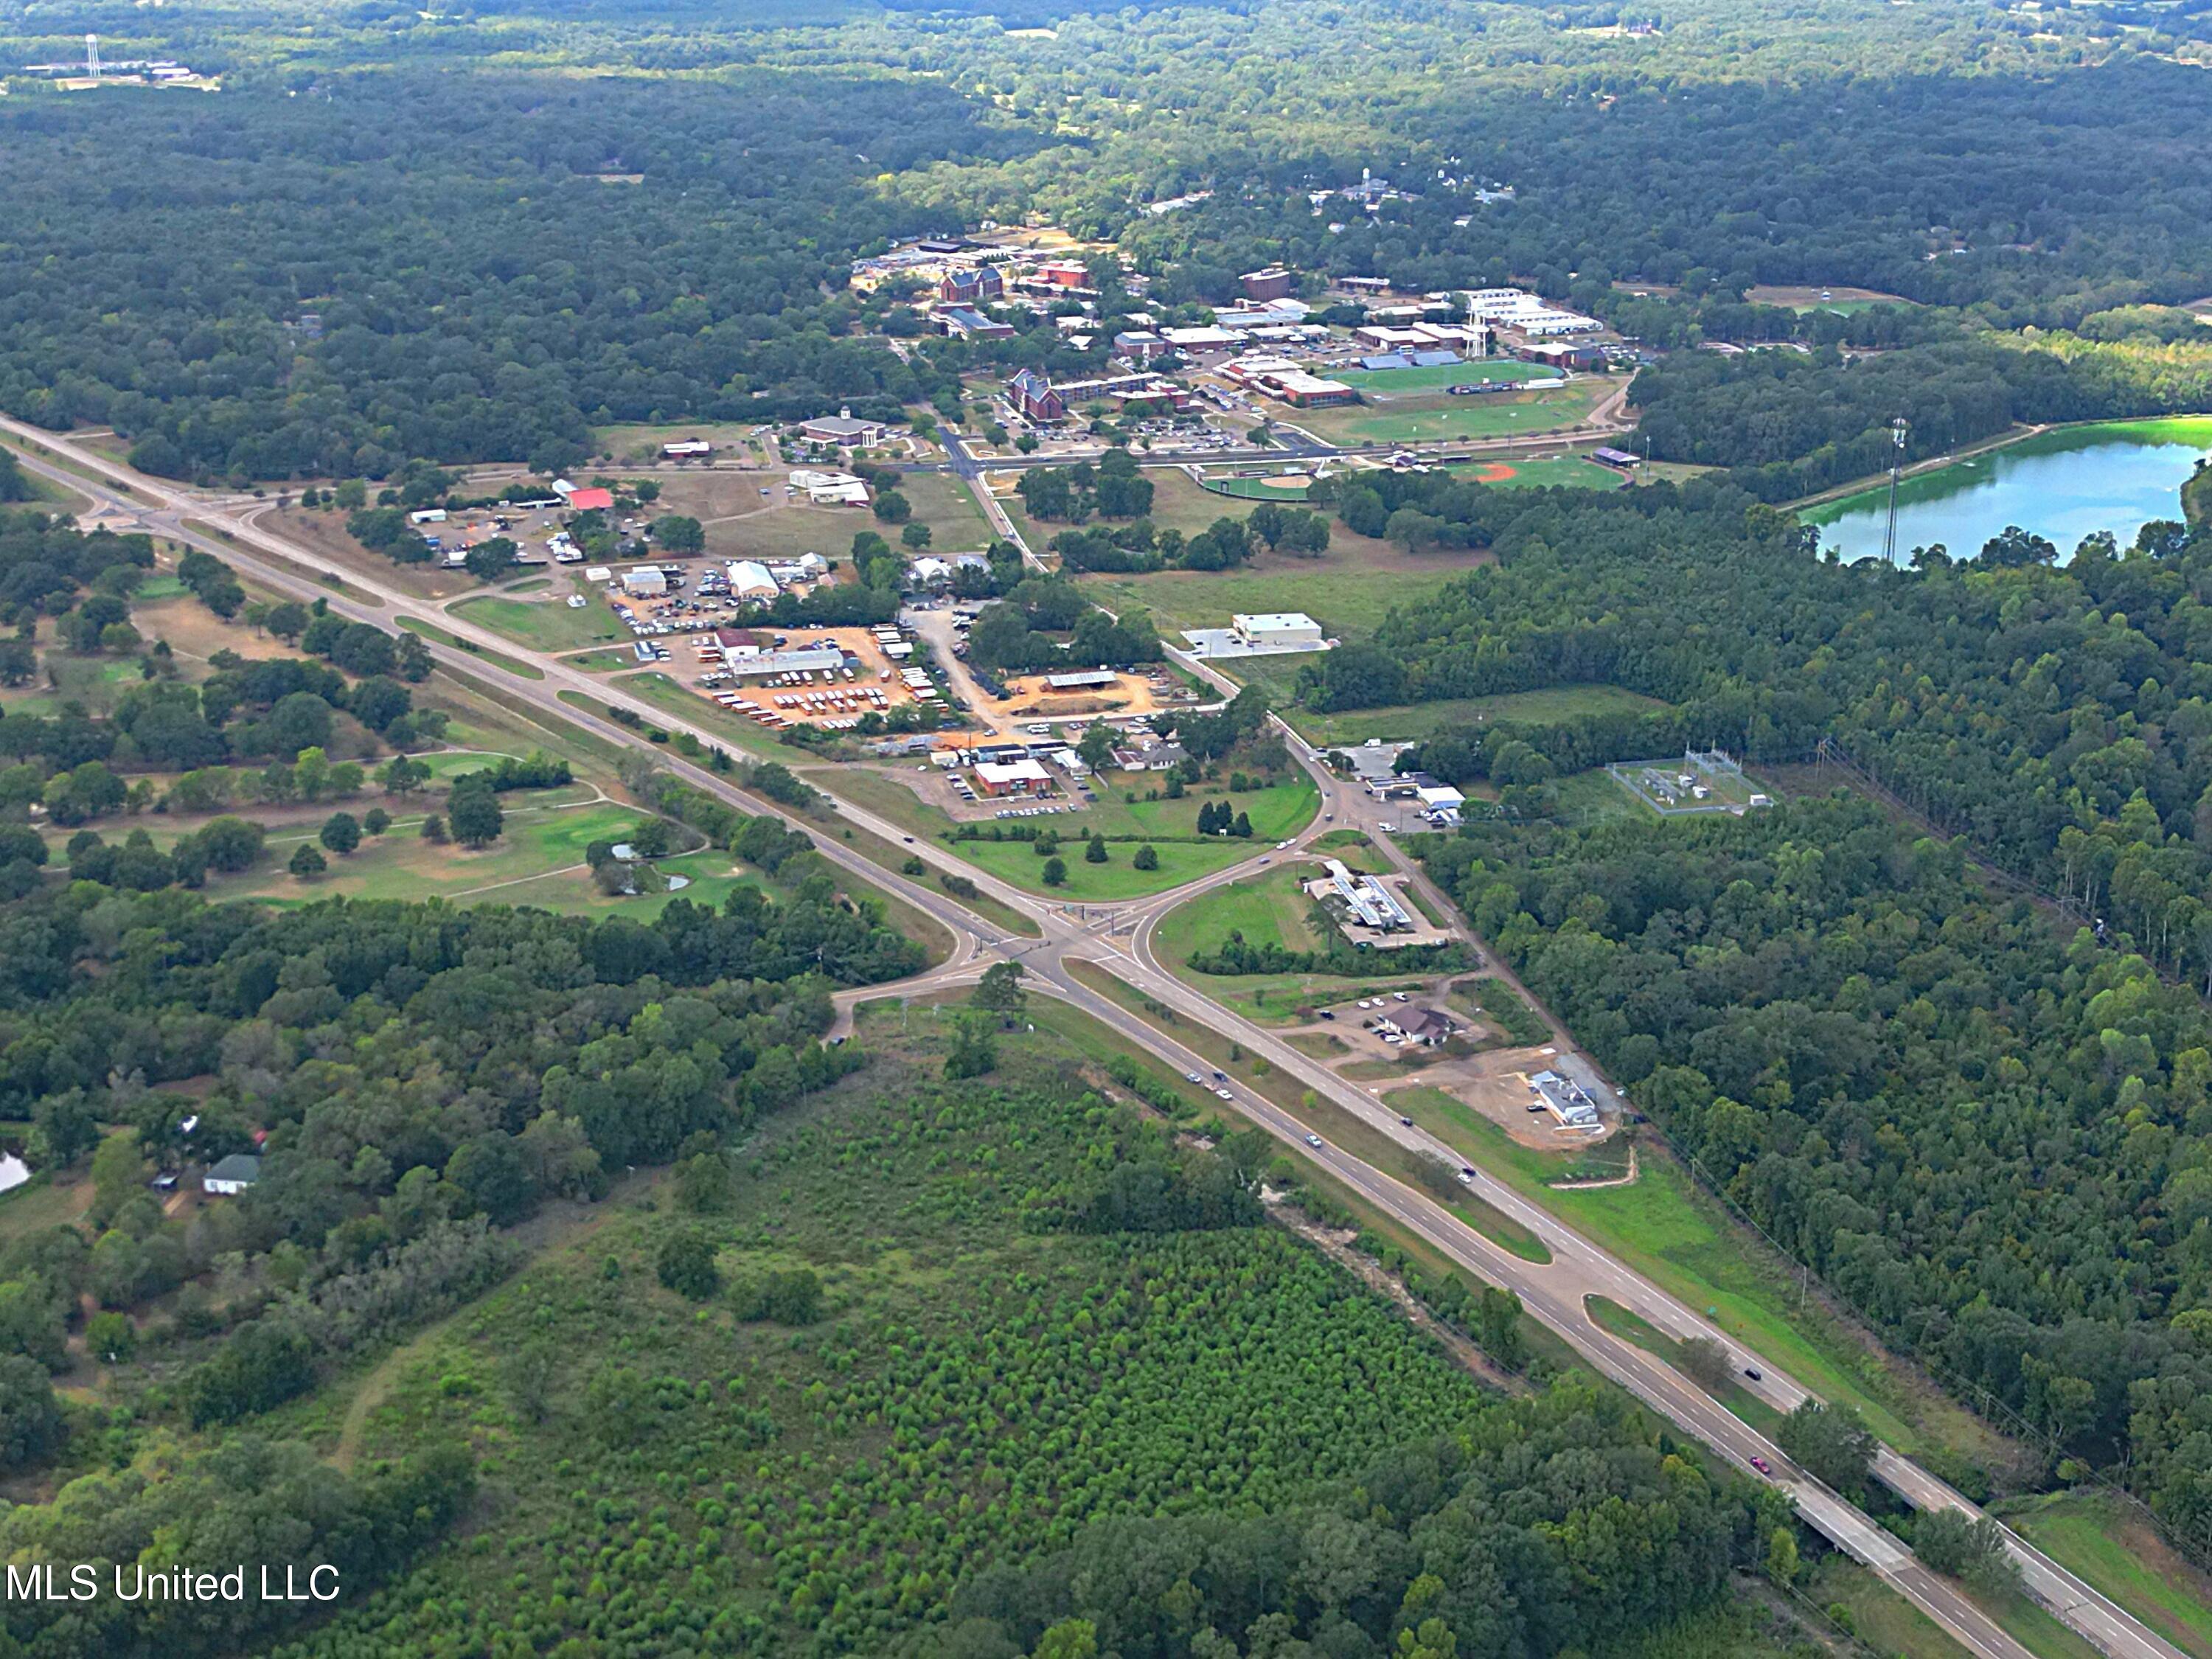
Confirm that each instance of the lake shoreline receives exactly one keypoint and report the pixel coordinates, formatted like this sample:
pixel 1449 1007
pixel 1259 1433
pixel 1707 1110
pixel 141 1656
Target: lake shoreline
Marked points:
pixel 2059 482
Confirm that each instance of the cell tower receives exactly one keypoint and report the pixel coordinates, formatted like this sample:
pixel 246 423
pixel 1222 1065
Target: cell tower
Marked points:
pixel 92 56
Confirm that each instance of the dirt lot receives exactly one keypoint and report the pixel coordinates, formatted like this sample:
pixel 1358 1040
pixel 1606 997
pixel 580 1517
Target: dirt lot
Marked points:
pixel 1033 699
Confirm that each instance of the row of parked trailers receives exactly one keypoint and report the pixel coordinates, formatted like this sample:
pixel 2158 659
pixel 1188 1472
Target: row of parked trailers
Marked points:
pixel 843 707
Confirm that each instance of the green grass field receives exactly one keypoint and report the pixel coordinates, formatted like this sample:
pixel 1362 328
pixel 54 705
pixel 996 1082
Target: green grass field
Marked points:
pixel 1278 811
pixel 437 636
pixel 2116 1550
pixel 1266 909
pixel 538 861
pixel 1674 1234
pixel 1435 416
pixel 1567 471
pixel 1254 490
pixel 939 500
pixel 1412 722
pixel 1180 861
pixel 543 625
pixel 1177 504
pixel 709 717
pixel 1489 371
pixel 1349 602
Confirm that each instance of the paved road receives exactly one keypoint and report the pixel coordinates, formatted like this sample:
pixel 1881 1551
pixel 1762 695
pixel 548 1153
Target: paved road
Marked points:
pixel 1553 1292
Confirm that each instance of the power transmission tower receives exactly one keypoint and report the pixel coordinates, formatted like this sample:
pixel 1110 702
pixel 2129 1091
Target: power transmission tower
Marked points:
pixel 1898 428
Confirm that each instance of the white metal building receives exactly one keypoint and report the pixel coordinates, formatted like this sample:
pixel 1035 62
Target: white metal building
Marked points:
pixel 1281 629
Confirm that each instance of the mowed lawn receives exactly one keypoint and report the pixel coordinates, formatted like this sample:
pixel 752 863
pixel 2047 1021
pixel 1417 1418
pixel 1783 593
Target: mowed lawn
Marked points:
pixel 1430 415
pixel 1276 811
pixel 1019 863
pixel 1349 590
pixel 400 865
pixel 1270 908
pixel 1489 371
pixel 545 624
pixel 1178 503
pixel 1412 722
pixel 778 529
pixel 1279 810
pixel 1552 472
pixel 2115 1548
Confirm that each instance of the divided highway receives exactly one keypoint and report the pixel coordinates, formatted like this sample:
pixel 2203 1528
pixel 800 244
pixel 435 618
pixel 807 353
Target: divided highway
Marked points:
pixel 1118 938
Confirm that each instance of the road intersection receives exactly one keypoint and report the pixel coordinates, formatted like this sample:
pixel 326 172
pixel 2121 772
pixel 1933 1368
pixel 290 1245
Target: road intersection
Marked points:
pixel 1118 939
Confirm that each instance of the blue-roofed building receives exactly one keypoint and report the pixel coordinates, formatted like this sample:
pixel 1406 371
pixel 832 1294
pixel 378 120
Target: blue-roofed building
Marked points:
pixel 1434 358
pixel 964 323
pixel 1388 360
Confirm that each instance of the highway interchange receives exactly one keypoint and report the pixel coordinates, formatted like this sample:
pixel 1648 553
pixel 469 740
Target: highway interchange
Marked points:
pixel 1117 939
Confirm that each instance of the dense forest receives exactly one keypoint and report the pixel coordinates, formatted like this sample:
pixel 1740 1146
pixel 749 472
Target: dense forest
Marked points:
pixel 449 267
pixel 356 258
pixel 1714 188
pixel 1995 1142
pixel 2059 716
pixel 1788 425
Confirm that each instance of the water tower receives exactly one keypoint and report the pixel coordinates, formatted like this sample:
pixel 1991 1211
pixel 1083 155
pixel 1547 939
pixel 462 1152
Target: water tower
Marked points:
pixel 92 56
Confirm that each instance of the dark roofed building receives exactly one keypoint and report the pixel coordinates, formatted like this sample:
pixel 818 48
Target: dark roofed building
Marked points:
pixel 971 286
pixel 1033 398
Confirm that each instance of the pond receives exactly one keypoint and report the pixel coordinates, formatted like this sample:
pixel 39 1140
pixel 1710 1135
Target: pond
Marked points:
pixel 2061 485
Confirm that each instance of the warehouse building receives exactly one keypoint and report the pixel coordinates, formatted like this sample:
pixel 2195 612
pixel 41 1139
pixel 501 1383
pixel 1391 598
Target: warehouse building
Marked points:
pixel 1281 631
pixel 747 661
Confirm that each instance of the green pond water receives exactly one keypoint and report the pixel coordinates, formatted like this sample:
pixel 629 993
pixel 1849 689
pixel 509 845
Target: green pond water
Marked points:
pixel 2115 476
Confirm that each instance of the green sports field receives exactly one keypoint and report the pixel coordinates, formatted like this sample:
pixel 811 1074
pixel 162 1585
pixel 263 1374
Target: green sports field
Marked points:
pixel 1432 414
pixel 1488 372
pixel 1570 471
